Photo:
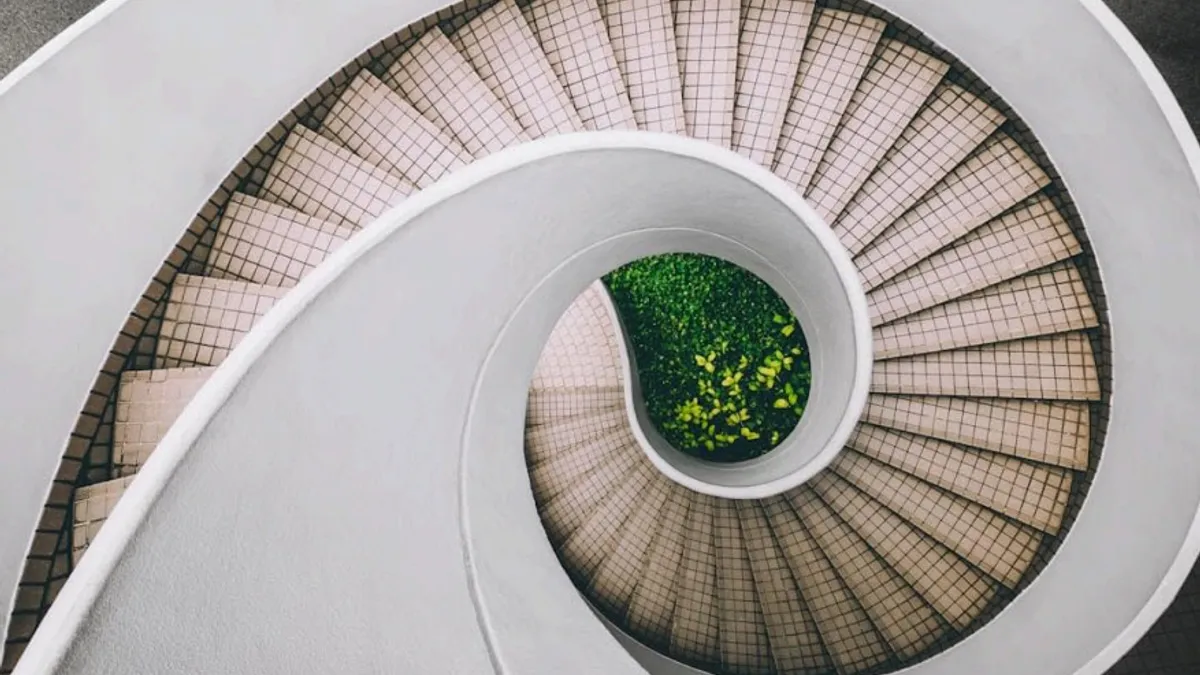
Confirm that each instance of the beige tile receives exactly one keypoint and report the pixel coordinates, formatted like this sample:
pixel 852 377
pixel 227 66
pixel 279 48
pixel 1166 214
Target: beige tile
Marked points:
pixel 586 550
pixel 93 504
pixel 652 610
pixel 706 35
pixel 557 404
pixel 582 350
pixel 571 462
pixel 148 403
pixel 643 41
pixel 543 442
pixel 206 318
pixel 742 628
pixel 613 586
pixel 695 627
pixel 566 513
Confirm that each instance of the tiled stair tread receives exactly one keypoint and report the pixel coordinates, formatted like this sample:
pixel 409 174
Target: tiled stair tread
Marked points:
pixel 835 58
pixel 554 404
pixel 1052 433
pixel 439 82
pixel 575 40
pixel 542 443
pixel 1034 494
pixel 900 614
pixel 1033 236
pixel 958 591
pixel 379 126
pixel 570 464
pixel 652 609
pixel 742 628
pixel 93 504
pixel 706 35
pixel 583 348
pixel 614 583
pixel 1000 547
pixel 589 546
pixel 695 627
pixel 942 135
pixel 505 53
pixel 793 636
pixel 267 243
pixel 1056 367
pixel 771 42
pixel 148 403
pixel 566 512
pixel 891 93
pixel 1053 300
pixel 994 179
pixel 326 180
pixel 206 318
pixel 846 630
pixel 643 41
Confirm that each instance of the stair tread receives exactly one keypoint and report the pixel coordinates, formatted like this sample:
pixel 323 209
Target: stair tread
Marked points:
pixel 773 33
pixel 445 88
pixel 695 629
pixel 589 546
pixel 583 349
pixel 505 53
pixel 567 511
pixel 570 464
pixel 379 126
pixel 1033 236
pixel 148 403
pixel 614 584
pixel 575 41
pixel 744 647
pixel 544 441
pixel 835 59
pixel 891 93
pixel 548 405
pixel 706 35
pixel 652 609
pixel 93 504
pixel 643 41
pixel 206 318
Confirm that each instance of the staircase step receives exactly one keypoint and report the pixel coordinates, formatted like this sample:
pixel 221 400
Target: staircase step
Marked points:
pixel 835 58
pixel 614 583
pixel 847 632
pixel 792 633
pixel 958 591
pixel 266 243
pixel 589 546
pixel 553 404
pixel 1056 367
pixel 769 50
pixel 996 178
pixel 542 443
pixel 643 42
pixel 900 614
pixel 1051 433
pixel 652 610
pixel 206 318
pixel 1001 548
pixel 706 35
pixel 379 126
pixel 695 629
pixel 1053 300
pixel 93 504
pixel 564 514
pixel 743 629
pixel 326 180
pixel 582 350
pixel 505 53
pixel 1033 236
pixel 440 83
pixel 890 95
pixel 575 40
pixel 944 133
pixel 1034 494
pixel 572 463
pixel 148 403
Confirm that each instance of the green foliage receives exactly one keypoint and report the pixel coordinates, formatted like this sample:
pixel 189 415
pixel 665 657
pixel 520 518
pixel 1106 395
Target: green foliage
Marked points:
pixel 722 361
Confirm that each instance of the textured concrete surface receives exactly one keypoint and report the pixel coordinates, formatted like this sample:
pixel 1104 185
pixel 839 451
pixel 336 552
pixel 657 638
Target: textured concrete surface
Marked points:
pixel 26 25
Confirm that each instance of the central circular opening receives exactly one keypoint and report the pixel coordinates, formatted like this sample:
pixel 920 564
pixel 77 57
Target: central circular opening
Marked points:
pixel 722 361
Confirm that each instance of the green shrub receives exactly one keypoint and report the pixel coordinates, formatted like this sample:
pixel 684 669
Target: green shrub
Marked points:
pixel 722 361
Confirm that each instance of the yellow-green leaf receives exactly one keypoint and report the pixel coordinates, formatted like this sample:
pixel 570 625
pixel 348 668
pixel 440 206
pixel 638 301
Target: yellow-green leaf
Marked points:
pixel 782 403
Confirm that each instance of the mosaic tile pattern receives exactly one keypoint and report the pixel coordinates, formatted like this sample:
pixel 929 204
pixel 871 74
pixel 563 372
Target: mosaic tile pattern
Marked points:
pixel 206 318
pixel 643 41
pixel 93 503
pixel 706 35
pixel 148 402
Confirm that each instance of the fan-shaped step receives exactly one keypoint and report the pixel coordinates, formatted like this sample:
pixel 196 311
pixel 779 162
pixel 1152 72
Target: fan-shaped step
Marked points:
pixel 695 627
pixel 440 83
pixel 706 34
pixel 265 243
pixel 589 546
pixel 769 50
pixel 148 402
pixel 326 180
pixel 93 504
pixel 835 58
pixel 505 53
pixel 379 126
pixel 1054 300
pixel 900 614
pixel 1034 494
pixel 1033 236
pixel 743 629
pixel 206 318
pixel 643 42
pixel 546 406
pixel 1000 547
pixel 891 93
pixel 944 133
pixel 851 639
pixel 543 442
pixel 1052 433
pixel 653 606
pixel 1056 367
pixel 795 641
pixel 567 466
pixel 994 179
pixel 957 590
pixel 575 40
pixel 564 514
pixel 583 349
pixel 614 583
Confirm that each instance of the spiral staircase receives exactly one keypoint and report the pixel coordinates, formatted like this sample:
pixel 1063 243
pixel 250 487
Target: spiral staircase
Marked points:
pixel 977 451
